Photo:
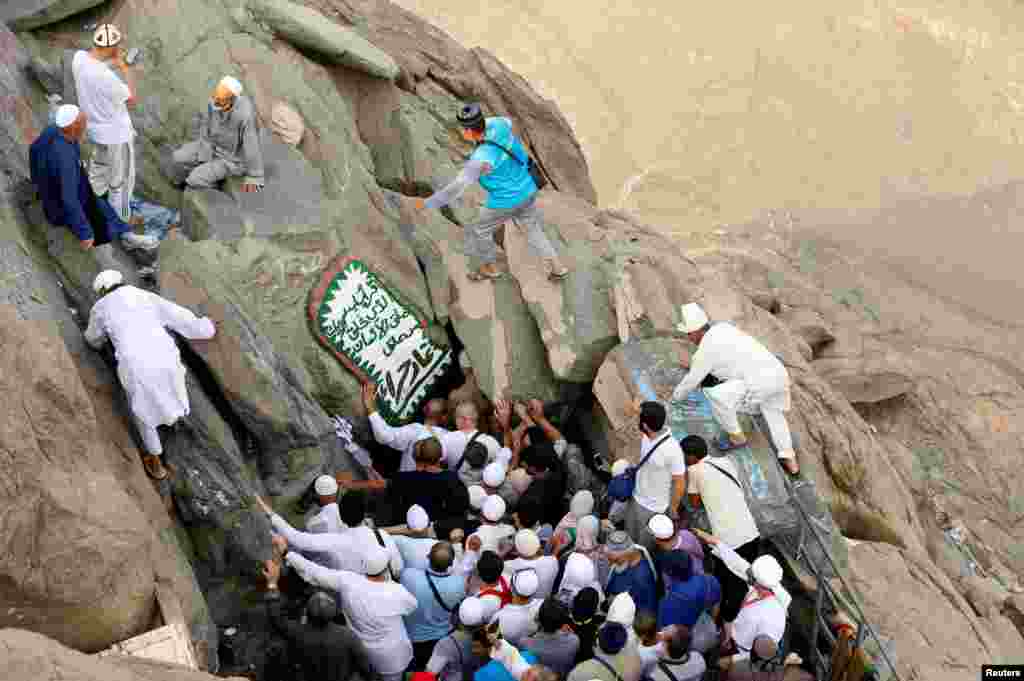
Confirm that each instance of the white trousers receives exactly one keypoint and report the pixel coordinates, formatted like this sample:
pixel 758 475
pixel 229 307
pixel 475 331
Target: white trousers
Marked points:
pixel 150 438
pixel 112 172
pixel 733 396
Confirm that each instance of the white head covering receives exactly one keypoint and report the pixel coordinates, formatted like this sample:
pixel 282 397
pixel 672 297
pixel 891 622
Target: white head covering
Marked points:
pixel 582 503
pixel 471 612
pixel 527 543
pixel 622 610
pixel 694 318
pixel 579 572
pixel 767 572
pixel 66 115
pixel 477 494
pixel 520 480
pixel 105 280
pixel 232 84
pixel 376 560
pixel 494 508
pixel 587 530
pixel 106 35
pixel 661 526
pixel 416 518
pixel 494 474
pixel 326 485
pixel 619 467
pixel 525 582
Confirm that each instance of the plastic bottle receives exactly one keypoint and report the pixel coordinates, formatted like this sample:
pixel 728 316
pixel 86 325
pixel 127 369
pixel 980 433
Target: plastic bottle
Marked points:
pixel 758 481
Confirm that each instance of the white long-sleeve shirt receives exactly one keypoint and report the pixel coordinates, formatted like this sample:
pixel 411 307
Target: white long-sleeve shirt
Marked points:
pixel 148 362
pixel 453 445
pixel 374 611
pixel 346 550
pixel 403 438
pixel 757 616
pixel 728 353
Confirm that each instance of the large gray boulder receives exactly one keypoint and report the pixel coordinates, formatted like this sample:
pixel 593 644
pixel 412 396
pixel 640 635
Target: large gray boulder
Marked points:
pixel 24 15
pixel 307 28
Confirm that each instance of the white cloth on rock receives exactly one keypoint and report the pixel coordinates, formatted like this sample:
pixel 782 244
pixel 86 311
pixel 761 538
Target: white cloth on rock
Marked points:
pixel 148 362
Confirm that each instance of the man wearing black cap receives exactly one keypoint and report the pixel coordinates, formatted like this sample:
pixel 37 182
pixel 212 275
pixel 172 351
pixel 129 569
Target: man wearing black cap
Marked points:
pixel 326 651
pixel 613 660
pixel 502 166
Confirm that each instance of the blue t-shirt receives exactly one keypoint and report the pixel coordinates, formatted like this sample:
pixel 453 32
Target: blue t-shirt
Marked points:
pixel 509 183
pixel 429 621
pixel 639 581
pixel 685 601
pixel 495 671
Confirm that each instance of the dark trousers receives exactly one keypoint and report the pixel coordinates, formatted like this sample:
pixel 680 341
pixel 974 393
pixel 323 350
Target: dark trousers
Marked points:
pixel 421 652
pixel 734 588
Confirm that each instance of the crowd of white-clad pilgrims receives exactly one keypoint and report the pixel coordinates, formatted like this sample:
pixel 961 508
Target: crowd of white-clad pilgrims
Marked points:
pixel 502 570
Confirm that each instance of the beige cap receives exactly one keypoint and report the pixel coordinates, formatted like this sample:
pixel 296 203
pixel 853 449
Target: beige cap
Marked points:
pixel 326 485
pixel 694 318
pixel 106 35
pixel 527 543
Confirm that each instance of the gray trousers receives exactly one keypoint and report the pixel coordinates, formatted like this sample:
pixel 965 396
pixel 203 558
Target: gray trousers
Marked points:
pixel 636 521
pixel 194 165
pixel 112 172
pixel 480 234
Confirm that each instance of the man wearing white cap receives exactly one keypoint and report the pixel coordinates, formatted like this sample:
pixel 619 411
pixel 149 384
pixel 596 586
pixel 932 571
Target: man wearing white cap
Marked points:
pixel 764 608
pixel 105 99
pixel 518 619
pixel 495 481
pixel 752 380
pixel 68 200
pixel 493 533
pixel 148 362
pixel 325 517
pixel 439 591
pixel 456 657
pixel 416 544
pixel 373 605
pixel 228 144
pixel 531 556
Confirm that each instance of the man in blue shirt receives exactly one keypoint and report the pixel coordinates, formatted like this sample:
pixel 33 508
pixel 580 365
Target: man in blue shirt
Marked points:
pixel 68 199
pixel 501 164
pixel 438 593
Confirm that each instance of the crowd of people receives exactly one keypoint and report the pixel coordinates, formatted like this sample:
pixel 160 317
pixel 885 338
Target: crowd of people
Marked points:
pixel 500 571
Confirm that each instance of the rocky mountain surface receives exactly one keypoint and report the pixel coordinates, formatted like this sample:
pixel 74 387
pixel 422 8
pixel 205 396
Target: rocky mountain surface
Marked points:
pixel 909 412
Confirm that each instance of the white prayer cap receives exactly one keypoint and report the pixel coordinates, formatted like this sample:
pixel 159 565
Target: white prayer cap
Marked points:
pixel 106 35
pixel 326 485
pixel 622 610
pixel 232 84
pixel 494 508
pixel 661 526
pixel 582 504
pixel 694 318
pixel 106 279
pixel 520 480
pixel 527 543
pixel 619 467
pixel 767 572
pixel 376 560
pixel 494 474
pixel 587 529
pixel 416 518
pixel 66 115
pixel 579 572
pixel 471 612
pixel 477 494
pixel 525 582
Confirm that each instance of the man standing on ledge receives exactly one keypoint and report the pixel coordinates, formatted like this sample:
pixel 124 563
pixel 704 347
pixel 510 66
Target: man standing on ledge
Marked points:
pixel 752 380
pixel 500 164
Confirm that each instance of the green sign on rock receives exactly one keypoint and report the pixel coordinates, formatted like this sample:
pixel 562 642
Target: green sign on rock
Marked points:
pixel 377 337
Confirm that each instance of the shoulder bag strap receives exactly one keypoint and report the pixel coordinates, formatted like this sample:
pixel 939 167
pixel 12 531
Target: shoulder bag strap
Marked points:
pixel 506 150
pixel 437 595
pixel 463 457
pixel 605 663
pixel 650 452
pixel 668 672
pixel 380 540
pixel 728 475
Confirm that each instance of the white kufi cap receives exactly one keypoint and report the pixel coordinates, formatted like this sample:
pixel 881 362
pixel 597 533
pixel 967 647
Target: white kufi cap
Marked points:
pixel 106 279
pixel 661 526
pixel 494 508
pixel 376 560
pixel 232 84
pixel 494 474
pixel 477 494
pixel 471 612
pixel 525 582
pixel 66 115
pixel 619 467
pixel 527 543
pixel 582 504
pixel 694 318
pixel 520 480
pixel 622 610
pixel 767 572
pixel 416 518
pixel 326 485
pixel 106 35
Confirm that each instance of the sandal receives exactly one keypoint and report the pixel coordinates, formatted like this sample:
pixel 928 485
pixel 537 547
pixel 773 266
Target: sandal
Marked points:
pixel 726 444
pixel 154 467
pixel 480 275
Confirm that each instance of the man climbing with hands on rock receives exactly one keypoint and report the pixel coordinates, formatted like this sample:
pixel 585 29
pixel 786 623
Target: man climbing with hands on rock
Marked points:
pixel 501 164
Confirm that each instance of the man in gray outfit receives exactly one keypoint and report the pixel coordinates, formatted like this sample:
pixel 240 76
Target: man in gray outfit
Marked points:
pixel 228 143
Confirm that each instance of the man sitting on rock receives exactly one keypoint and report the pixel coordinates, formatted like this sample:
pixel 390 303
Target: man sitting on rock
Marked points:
pixel 500 164
pixel 228 144
pixel 68 199
pixel 752 380
pixel 148 362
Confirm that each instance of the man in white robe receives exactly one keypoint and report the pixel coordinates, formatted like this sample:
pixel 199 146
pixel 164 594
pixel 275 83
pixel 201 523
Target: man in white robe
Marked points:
pixel 752 380
pixel 148 362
